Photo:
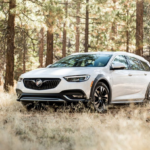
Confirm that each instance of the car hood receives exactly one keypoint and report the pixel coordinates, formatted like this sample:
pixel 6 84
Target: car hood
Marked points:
pixel 58 72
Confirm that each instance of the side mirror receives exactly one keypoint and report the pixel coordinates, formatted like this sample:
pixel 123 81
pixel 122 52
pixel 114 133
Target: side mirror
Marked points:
pixel 117 66
pixel 48 66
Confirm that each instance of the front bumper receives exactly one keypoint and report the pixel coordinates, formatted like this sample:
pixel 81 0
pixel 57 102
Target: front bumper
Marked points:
pixel 62 86
pixel 64 96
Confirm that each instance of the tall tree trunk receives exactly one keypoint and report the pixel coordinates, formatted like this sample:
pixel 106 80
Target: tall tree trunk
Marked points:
pixel 113 28
pixel 113 34
pixel 24 52
pixel 139 27
pixel 127 44
pixel 9 76
pixel 49 55
pixel 78 28
pixel 2 60
pixel 64 31
pixel 41 47
pixel 127 32
pixel 87 26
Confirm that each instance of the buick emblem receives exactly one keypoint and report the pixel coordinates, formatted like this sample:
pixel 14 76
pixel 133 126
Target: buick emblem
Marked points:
pixel 38 82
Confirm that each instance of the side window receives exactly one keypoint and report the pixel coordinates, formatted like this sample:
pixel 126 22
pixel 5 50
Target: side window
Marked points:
pixel 121 59
pixel 135 64
pixel 146 66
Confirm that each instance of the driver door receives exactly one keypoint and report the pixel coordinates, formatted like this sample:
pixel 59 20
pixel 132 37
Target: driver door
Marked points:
pixel 122 81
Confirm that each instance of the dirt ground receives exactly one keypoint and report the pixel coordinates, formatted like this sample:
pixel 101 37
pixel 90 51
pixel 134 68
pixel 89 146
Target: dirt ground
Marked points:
pixel 121 128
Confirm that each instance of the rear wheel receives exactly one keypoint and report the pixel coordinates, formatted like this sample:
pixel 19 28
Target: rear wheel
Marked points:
pixel 147 95
pixel 100 97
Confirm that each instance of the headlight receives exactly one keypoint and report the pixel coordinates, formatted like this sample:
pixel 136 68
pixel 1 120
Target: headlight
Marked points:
pixel 77 78
pixel 20 79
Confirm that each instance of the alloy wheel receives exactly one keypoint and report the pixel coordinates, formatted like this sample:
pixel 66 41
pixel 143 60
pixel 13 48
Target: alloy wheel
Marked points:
pixel 101 97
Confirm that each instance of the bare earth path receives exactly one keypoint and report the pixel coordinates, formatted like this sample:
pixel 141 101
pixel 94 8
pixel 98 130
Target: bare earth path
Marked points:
pixel 122 128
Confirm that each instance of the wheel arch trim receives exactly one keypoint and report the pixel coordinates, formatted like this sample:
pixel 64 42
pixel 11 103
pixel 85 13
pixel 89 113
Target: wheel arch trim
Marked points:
pixel 99 78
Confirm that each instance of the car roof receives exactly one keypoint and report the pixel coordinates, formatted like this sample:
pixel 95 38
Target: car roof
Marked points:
pixel 114 53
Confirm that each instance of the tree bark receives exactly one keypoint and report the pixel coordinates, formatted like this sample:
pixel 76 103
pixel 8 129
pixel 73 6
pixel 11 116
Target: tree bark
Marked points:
pixel 127 32
pixel 87 26
pixel 113 34
pixel 127 44
pixel 65 32
pixel 9 76
pixel 78 28
pixel 113 31
pixel 49 55
pixel 2 60
pixel 24 52
pixel 41 47
pixel 113 28
pixel 139 27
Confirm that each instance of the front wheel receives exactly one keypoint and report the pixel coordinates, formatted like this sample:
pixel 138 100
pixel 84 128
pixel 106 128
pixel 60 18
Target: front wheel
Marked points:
pixel 100 97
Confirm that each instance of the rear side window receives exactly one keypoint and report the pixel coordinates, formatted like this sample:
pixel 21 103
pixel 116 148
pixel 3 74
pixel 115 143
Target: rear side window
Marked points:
pixel 121 59
pixel 146 66
pixel 135 64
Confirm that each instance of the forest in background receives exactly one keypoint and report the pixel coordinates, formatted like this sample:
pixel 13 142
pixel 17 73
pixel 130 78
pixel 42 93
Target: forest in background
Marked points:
pixel 36 33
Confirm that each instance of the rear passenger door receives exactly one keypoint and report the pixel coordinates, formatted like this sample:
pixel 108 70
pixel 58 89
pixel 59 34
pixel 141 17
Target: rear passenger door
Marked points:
pixel 146 72
pixel 137 71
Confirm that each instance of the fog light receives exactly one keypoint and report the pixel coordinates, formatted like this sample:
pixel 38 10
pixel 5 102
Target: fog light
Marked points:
pixel 77 96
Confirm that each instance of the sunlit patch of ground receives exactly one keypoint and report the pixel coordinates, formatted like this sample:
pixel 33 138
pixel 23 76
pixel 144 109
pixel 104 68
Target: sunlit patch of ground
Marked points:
pixel 122 128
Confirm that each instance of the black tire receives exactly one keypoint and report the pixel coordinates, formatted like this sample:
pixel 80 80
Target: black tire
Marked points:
pixel 100 97
pixel 148 93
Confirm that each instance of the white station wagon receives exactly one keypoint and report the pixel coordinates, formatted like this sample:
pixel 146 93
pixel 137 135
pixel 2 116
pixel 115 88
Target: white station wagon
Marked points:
pixel 99 77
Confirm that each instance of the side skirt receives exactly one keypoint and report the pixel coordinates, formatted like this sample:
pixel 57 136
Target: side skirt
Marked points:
pixel 127 101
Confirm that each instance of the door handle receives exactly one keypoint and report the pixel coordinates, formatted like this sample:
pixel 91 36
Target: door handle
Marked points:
pixel 145 74
pixel 130 74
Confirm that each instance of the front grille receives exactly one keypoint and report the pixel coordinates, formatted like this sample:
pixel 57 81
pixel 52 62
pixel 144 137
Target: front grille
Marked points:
pixel 47 83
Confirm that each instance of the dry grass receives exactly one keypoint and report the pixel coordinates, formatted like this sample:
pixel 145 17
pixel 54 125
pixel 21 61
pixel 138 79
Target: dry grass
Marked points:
pixel 124 128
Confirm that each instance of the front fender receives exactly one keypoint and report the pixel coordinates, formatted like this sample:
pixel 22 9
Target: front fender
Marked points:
pixel 102 78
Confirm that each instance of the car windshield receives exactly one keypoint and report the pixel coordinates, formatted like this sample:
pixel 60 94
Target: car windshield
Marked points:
pixel 83 60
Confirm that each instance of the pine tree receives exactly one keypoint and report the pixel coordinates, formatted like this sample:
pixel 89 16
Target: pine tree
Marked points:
pixel 9 76
pixel 49 54
pixel 53 12
pixel 64 30
pixel 139 27
pixel 77 26
pixel 24 51
pixel 87 26
pixel 41 46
